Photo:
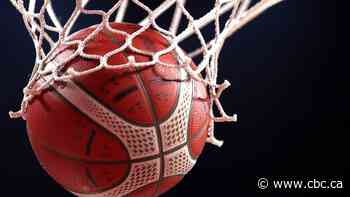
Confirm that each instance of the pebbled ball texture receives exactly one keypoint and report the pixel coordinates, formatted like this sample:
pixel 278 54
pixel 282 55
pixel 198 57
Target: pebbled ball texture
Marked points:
pixel 119 132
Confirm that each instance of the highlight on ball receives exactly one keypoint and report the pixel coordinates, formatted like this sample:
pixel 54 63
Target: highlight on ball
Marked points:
pixel 119 108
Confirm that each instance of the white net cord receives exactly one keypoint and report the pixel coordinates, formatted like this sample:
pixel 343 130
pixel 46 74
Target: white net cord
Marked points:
pixel 38 26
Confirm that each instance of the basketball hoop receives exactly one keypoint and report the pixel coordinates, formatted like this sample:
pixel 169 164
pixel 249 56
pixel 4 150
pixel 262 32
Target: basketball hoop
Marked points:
pixel 42 23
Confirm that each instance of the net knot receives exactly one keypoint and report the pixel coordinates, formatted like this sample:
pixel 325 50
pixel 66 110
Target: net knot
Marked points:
pixel 43 22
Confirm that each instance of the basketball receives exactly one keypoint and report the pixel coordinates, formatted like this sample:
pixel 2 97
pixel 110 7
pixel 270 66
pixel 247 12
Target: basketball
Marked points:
pixel 119 132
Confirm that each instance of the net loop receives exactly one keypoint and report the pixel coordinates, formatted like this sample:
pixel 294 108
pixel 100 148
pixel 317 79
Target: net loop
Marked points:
pixel 41 27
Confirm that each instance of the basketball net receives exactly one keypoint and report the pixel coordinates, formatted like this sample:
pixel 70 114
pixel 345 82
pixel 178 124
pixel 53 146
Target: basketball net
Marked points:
pixel 42 23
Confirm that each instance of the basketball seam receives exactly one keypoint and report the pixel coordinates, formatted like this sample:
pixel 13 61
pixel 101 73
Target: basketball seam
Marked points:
pixel 75 108
pixel 179 175
pixel 174 107
pixel 185 144
pixel 90 142
pixel 157 126
pixel 159 135
pixel 161 155
pixel 89 176
pixel 88 92
pixel 129 162
pixel 108 162
pixel 145 40
pixel 157 121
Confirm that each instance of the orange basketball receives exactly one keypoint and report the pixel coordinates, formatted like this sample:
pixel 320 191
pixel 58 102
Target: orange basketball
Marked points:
pixel 120 132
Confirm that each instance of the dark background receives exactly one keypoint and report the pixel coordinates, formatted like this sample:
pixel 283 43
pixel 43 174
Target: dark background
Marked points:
pixel 286 87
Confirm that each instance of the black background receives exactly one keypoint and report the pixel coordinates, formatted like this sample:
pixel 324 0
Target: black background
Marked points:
pixel 286 87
